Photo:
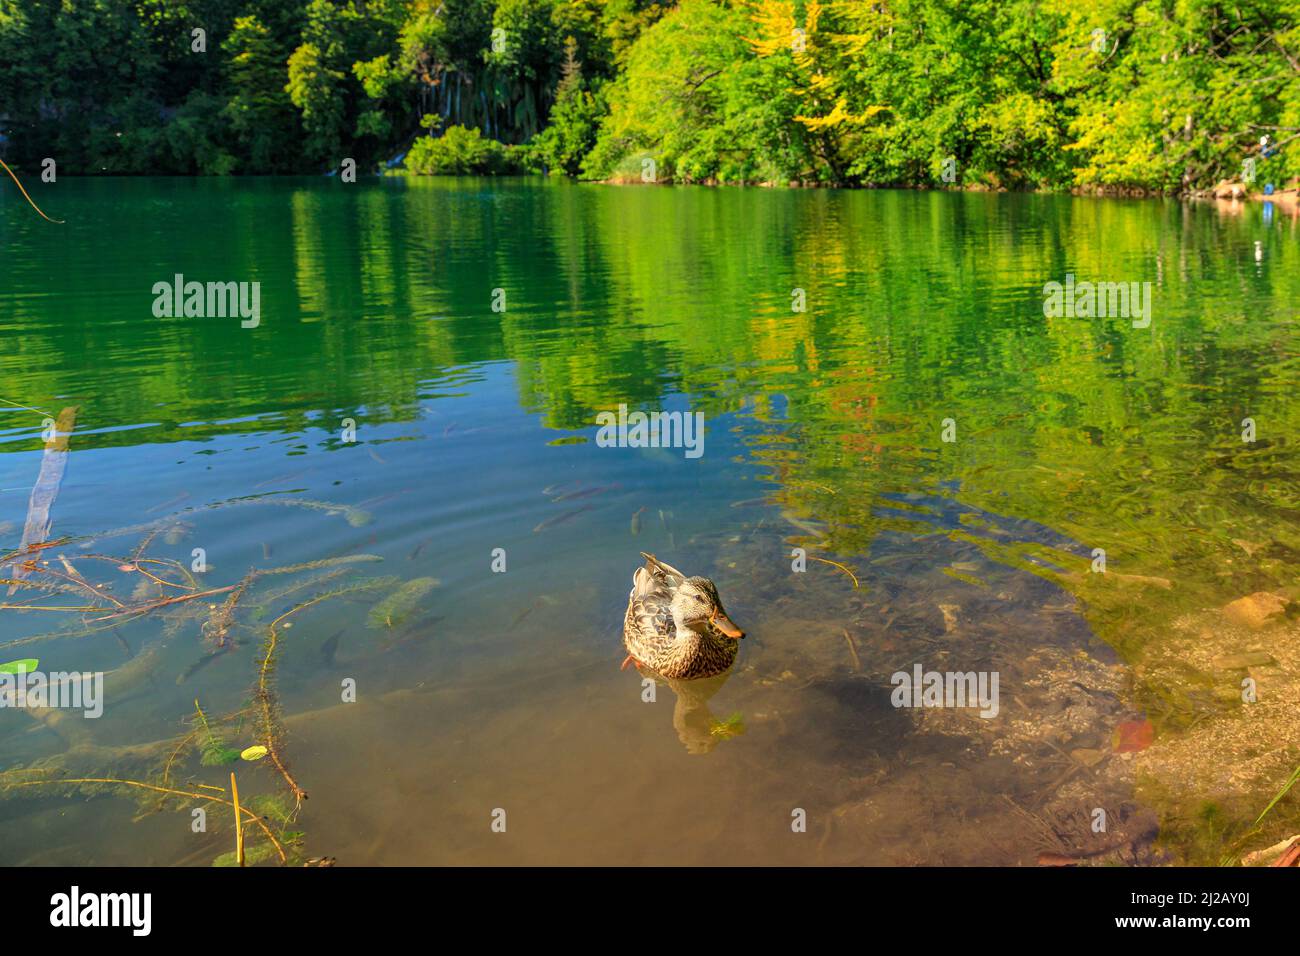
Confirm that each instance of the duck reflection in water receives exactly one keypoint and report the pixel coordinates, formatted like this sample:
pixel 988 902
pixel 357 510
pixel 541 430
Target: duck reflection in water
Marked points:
pixel 697 728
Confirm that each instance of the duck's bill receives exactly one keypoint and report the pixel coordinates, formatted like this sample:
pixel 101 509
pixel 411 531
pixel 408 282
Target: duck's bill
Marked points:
pixel 723 624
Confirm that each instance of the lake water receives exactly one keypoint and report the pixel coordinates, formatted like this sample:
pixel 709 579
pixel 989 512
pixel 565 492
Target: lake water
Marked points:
pixel 496 697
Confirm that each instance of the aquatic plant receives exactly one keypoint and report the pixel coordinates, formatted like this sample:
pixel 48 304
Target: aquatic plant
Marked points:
pixel 213 749
pixel 397 607
pixel 733 726
pixel 153 772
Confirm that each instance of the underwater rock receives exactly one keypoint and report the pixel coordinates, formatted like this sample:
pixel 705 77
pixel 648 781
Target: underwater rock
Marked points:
pixel 949 617
pixel 1254 610
pixel 1236 662
pixel 1144 579
pixel 1089 757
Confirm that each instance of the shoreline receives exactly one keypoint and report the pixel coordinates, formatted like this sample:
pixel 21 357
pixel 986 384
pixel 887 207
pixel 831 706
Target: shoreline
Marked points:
pixel 1227 191
pixel 1228 194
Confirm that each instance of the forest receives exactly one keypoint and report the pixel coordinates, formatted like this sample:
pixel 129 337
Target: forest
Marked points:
pixel 1163 96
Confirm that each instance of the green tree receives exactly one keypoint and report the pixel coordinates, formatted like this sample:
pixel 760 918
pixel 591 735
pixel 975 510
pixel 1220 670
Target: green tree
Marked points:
pixel 259 111
pixel 695 99
pixel 574 120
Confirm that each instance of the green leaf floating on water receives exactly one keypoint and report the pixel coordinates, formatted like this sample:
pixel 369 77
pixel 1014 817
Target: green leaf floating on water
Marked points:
pixel 397 607
pixel 19 667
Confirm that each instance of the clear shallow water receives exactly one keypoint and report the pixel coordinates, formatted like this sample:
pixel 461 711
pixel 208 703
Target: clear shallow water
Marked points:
pixel 503 690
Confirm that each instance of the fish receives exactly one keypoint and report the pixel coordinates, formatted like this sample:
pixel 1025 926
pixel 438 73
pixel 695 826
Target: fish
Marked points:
pixel 167 504
pixel 804 526
pixel 585 492
pixel 561 518
pixel 750 503
pixel 330 648
pixel 636 520
pixel 355 516
pixel 198 665
pixel 379 499
pixel 663 520
pixel 273 481
pixel 375 455
pixel 524 613
pixel 544 601
pixel 560 486
pixel 415 552
pixel 411 634
pixel 205 660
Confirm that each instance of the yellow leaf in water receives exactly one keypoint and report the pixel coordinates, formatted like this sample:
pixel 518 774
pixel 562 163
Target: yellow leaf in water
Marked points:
pixel 255 752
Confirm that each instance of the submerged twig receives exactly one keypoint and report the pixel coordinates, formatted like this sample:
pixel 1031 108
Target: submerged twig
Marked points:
pixel 141 608
pixel 180 747
pixel 857 664
pixel 188 794
pixel 239 823
pixel 218 625
pixel 837 565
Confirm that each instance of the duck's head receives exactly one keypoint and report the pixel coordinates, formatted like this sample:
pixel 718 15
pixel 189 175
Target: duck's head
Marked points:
pixel 696 605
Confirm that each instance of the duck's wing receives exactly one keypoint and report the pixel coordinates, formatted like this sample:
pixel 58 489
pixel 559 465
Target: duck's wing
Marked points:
pixel 650 604
pixel 670 577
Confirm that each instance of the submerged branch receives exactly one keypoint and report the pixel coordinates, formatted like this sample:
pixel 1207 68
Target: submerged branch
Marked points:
pixel 170 791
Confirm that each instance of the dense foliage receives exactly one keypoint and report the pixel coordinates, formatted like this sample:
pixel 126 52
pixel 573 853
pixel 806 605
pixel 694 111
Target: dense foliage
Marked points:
pixel 1160 94
pixel 461 151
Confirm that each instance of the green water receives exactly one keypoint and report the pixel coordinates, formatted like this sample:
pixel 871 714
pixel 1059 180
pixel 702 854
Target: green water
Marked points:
pixel 824 431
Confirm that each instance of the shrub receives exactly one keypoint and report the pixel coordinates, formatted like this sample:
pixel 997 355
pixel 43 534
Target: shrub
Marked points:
pixel 460 152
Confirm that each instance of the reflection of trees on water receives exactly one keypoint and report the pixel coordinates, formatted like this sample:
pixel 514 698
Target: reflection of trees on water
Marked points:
pixel 921 307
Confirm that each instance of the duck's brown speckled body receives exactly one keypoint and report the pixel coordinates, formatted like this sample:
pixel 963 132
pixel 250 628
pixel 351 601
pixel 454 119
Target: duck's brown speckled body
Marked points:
pixel 676 625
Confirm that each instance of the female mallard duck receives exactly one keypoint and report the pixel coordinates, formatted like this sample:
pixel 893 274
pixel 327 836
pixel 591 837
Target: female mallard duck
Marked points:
pixel 676 625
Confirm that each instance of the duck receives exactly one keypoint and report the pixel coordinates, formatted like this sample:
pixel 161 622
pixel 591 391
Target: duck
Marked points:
pixel 676 625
